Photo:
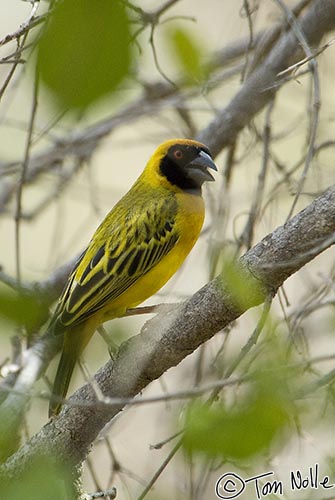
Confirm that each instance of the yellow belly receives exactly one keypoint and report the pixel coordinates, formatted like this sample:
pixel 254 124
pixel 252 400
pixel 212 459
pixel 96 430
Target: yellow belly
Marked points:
pixel 190 221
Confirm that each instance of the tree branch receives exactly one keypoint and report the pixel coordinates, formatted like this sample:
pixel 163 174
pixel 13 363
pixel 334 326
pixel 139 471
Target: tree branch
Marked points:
pixel 264 82
pixel 168 338
pixel 254 94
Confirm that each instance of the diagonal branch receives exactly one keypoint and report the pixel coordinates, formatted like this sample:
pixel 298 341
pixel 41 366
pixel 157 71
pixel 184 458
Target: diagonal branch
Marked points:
pixel 255 93
pixel 168 338
pixel 258 90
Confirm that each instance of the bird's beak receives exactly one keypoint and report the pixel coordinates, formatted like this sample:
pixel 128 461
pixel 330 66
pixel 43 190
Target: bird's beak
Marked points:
pixel 197 168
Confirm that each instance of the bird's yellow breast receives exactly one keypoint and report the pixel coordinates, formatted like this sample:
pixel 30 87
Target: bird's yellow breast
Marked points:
pixel 189 221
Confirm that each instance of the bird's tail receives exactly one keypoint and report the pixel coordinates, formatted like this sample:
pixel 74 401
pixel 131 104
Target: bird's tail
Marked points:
pixel 65 369
pixel 75 341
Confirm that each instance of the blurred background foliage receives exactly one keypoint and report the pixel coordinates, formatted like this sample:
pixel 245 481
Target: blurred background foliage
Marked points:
pixel 84 52
pixel 40 480
pixel 94 91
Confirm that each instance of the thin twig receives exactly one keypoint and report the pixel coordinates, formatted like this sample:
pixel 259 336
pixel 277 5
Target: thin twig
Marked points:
pixel 160 445
pixel 248 13
pixel 252 339
pixel 10 75
pixel 305 60
pixel 268 38
pixel 155 56
pixel 18 211
pixel 326 379
pixel 159 471
pixel 248 232
pixel 110 494
pixel 216 386
pixel 94 478
pixel 26 26
pixel 296 28
pixel 163 8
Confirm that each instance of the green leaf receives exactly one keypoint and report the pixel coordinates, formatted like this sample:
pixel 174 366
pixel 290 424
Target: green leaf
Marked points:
pixel 41 479
pixel 21 308
pixel 238 433
pixel 188 52
pixel 84 52
pixel 238 284
pixel 10 434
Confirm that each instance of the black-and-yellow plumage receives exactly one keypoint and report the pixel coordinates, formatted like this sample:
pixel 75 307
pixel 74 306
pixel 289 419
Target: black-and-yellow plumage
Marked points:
pixel 140 244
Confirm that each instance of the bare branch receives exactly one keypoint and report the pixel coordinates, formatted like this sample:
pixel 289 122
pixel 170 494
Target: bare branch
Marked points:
pixel 18 211
pixel 26 26
pixel 259 88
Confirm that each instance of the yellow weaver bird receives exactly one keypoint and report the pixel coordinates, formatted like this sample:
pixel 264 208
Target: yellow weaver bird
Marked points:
pixel 136 249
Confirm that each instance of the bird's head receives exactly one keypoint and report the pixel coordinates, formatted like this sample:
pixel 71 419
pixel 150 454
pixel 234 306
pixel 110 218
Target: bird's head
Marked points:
pixel 182 163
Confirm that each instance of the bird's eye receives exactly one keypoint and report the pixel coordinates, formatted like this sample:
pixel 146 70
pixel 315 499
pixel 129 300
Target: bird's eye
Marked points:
pixel 178 154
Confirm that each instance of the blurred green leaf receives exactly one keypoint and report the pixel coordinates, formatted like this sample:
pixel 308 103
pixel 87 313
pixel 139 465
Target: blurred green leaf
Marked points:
pixel 84 51
pixel 188 51
pixel 41 480
pixel 21 308
pixel 10 434
pixel 239 286
pixel 238 433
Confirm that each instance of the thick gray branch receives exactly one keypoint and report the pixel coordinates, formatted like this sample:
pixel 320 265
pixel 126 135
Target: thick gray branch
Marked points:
pixel 252 97
pixel 168 338
pixel 263 83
